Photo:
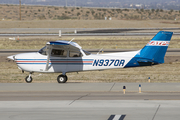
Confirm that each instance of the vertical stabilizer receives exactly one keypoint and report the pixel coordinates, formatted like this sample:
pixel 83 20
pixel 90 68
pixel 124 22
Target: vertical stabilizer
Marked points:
pixel 154 51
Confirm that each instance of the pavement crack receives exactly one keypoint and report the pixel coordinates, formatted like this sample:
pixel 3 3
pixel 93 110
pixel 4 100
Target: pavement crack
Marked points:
pixel 112 87
pixel 79 98
pixel 156 112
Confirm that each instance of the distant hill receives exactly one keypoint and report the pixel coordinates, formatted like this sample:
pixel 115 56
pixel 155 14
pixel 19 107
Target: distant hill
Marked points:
pixel 146 4
pixel 28 12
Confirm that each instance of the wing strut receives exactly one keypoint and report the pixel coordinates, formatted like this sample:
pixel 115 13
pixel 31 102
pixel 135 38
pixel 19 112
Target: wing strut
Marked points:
pixel 48 57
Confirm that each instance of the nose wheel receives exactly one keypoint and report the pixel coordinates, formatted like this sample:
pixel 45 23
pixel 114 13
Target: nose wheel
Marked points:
pixel 62 79
pixel 29 79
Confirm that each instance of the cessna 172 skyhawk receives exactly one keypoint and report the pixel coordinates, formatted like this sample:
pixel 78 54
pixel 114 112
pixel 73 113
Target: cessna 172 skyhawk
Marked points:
pixel 67 56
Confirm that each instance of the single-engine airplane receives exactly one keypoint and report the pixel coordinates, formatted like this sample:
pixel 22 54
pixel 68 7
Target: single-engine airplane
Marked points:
pixel 67 56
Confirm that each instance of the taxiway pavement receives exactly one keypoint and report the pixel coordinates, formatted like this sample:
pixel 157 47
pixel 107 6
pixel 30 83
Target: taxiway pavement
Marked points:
pixel 89 101
pixel 88 87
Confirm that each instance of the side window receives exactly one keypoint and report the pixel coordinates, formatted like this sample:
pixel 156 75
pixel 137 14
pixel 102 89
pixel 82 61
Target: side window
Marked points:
pixel 58 53
pixel 75 54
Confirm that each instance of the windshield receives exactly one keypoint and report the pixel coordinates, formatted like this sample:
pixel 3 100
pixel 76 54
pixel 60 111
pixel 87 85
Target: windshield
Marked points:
pixel 43 51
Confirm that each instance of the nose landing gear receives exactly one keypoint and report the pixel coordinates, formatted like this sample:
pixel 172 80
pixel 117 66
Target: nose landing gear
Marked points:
pixel 29 79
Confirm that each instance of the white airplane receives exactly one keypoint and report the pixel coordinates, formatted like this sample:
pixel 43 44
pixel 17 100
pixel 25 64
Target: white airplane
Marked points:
pixel 67 56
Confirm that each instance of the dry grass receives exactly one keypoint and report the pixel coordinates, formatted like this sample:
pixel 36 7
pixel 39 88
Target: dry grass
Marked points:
pixel 89 24
pixel 86 42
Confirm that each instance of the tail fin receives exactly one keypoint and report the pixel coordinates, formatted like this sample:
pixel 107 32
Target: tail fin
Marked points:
pixel 154 51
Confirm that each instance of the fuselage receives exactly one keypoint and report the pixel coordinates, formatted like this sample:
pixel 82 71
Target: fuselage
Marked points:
pixel 36 62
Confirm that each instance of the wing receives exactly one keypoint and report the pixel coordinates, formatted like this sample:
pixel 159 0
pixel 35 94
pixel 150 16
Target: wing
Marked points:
pixel 64 45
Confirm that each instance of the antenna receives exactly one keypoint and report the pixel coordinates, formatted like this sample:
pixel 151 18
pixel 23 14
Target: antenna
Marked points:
pixel 100 51
pixel 71 40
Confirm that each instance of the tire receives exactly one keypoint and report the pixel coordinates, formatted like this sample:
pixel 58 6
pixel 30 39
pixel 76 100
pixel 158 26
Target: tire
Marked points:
pixel 62 79
pixel 28 79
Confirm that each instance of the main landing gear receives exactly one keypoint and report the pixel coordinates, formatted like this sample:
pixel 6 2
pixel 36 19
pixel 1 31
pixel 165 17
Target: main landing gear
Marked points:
pixel 60 79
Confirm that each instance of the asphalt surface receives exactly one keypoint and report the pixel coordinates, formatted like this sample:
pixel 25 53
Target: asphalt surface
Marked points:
pixel 84 34
pixel 9 32
pixel 89 87
pixel 88 91
pixel 89 101
pixel 89 110
pixel 80 30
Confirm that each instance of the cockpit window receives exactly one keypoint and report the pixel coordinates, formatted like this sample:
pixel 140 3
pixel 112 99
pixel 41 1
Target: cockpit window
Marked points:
pixel 75 54
pixel 58 53
pixel 43 51
pixel 86 52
